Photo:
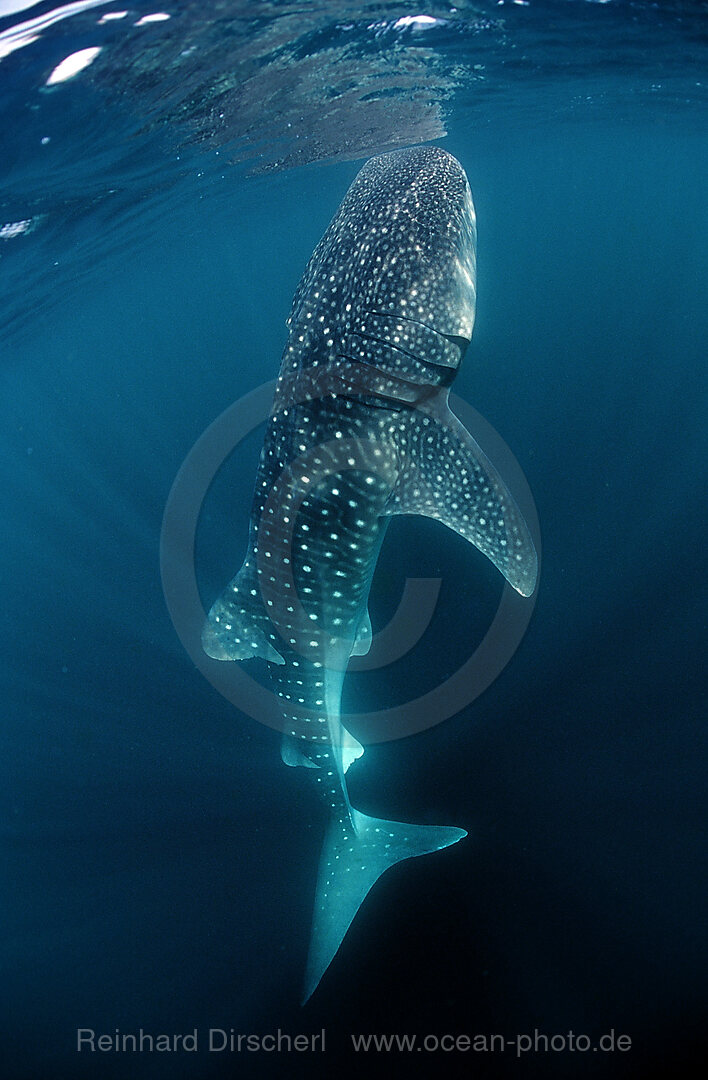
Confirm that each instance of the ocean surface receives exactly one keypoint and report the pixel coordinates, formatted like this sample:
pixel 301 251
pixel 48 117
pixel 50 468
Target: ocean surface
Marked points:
pixel 165 172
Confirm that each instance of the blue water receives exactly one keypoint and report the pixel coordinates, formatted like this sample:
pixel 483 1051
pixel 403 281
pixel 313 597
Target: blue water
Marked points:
pixel 159 859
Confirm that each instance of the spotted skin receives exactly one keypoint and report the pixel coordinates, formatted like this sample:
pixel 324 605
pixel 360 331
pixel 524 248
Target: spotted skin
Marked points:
pixel 360 430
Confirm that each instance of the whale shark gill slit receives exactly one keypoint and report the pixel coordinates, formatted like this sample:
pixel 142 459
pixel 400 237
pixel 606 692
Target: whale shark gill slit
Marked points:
pixel 457 340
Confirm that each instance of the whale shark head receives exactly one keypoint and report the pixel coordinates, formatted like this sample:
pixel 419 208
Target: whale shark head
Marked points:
pixel 392 282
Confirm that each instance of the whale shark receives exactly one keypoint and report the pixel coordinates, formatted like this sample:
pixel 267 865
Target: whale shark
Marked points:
pixel 361 430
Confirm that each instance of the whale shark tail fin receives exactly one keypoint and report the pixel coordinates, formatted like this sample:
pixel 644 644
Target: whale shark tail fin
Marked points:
pixel 355 854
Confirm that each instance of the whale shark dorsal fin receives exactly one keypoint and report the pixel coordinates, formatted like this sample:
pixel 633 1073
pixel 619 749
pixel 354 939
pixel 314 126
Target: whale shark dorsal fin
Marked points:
pixel 350 749
pixel 446 475
pixel 237 625
pixel 362 643
pixel 292 753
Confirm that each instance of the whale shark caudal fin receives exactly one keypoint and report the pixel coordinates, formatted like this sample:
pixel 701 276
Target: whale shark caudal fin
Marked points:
pixel 237 625
pixel 354 856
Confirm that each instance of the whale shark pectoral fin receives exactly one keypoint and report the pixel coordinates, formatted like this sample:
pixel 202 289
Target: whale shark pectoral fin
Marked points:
pixel 356 852
pixel 362 643
pixel 446 475
pixel 236 626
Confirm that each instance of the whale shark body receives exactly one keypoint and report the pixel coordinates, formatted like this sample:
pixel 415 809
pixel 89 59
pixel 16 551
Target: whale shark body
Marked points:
pixel 361 430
